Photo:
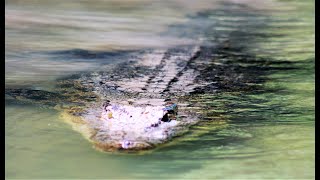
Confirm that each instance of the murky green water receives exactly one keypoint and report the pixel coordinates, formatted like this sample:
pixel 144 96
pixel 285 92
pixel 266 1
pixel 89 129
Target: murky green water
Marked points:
pixel 260 127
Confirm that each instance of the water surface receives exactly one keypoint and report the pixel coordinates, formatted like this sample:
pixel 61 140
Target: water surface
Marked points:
pixel 258 127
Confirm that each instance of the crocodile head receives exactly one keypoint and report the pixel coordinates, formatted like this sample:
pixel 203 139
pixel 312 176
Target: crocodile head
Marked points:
pixel 132 127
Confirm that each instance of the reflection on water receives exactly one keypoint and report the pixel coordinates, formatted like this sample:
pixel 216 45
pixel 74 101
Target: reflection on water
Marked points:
pixel 258 118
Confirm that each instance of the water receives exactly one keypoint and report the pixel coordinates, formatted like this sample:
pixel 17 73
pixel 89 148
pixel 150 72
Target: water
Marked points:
pixel 260 126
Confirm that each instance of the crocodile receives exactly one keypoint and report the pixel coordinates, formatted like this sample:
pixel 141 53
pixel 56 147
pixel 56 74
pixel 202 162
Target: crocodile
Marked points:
pixel 131 106
pixel 140 103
